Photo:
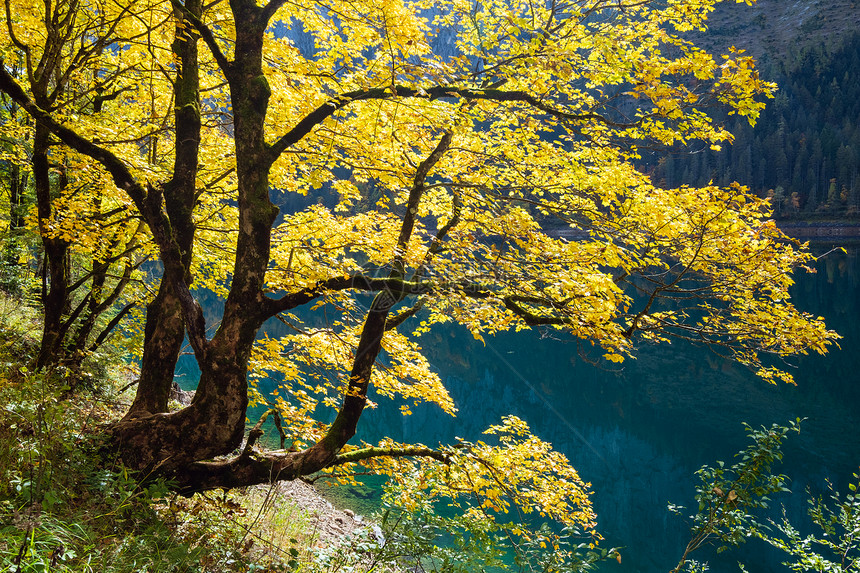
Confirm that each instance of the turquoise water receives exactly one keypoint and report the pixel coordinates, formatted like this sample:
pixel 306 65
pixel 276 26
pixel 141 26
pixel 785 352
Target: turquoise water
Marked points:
pixel 639 433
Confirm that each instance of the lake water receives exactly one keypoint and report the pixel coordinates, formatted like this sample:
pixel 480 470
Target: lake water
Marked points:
pixel 639 433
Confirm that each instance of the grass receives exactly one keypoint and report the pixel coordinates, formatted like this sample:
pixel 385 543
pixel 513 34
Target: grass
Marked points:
pixel 275 527
pixel 63 507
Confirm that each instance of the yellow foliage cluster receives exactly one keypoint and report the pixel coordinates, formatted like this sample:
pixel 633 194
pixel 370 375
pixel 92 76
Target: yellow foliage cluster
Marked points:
pixel 518 479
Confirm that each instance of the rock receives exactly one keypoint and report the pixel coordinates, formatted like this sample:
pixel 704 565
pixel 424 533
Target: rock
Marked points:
pixel 184 397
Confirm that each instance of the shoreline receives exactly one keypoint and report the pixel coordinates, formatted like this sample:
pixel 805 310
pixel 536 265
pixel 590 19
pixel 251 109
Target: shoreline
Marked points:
pixel 816 231
pixel 820 230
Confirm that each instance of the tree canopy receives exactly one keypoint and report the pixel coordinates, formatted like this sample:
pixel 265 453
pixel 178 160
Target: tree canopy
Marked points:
pixel 473 163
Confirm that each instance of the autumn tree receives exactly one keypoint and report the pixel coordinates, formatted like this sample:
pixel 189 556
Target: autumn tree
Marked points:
pixel 444 143
pixel 15 184
pixel 77 214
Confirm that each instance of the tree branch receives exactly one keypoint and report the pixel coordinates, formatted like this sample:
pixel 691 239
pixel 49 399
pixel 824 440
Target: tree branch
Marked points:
pixel 119 172
pixel 255 433
pixel 395 286
pixel 18 44
pixel 370 341
pixel 77 284
pixel 253 467
pixel 415 194
pixel 403 315
pixel 324 111
pixel 392 452
pixel 271 7
pixel 436 245
pixel 111 325
pixel 67 324
pixel 208 37
pixel 148 201
pixel 531 318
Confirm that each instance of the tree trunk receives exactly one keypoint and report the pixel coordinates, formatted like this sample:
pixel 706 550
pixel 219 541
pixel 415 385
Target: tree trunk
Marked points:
pixel 163 335
pixel 214 423
pixel 17 186
pixel 165 324
pixel 12 247
pixel 55 293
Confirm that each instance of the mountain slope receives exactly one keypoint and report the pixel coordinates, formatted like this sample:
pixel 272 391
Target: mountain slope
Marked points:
pixel 779 31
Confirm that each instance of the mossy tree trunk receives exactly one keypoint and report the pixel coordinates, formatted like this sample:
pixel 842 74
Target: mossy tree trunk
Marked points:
pixel 165 323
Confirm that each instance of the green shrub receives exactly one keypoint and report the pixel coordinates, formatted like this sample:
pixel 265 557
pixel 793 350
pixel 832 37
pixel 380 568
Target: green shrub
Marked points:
pixel 62 506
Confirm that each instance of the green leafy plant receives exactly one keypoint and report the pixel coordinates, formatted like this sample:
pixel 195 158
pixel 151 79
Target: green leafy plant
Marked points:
pixel 426 535
pixel 730 498
pixel 65 508
pixel 835 547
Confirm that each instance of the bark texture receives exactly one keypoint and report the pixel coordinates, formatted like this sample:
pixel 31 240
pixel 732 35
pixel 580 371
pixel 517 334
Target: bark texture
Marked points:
pixel 55 283
pixel 165 320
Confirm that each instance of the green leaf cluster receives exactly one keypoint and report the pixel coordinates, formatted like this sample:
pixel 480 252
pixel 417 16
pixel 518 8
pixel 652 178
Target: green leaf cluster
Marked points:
pixel 730 498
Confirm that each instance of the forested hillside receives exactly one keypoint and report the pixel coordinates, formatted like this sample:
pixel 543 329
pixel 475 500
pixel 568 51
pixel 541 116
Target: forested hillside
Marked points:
pixel 779 31
pixel 805 148
pixel 804 151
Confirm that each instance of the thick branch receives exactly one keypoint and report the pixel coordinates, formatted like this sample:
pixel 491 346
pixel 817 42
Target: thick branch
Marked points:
pixel 327 109
pixel 208 37
pixel 396 286
pixel 396 289
pixel 392 452
pixel 370 341
pixel 513 303
pixel 531 318
pixel 253 467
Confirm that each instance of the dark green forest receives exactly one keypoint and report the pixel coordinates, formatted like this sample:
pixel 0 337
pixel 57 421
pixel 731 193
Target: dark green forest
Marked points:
pixel 804 151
